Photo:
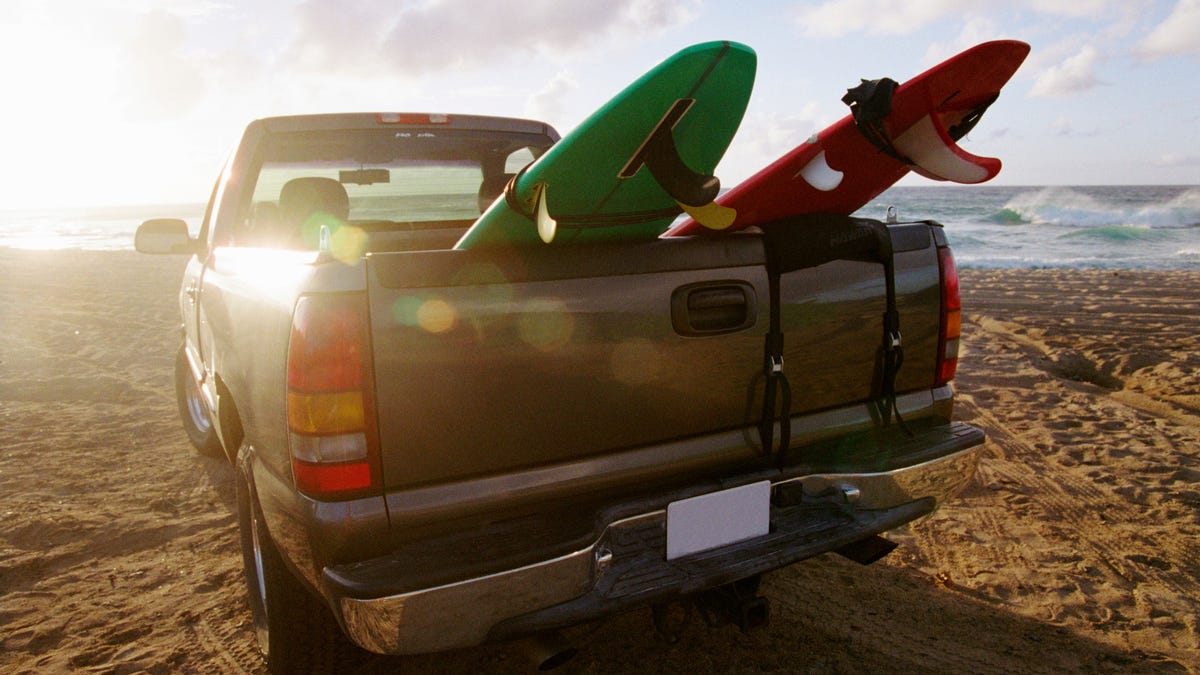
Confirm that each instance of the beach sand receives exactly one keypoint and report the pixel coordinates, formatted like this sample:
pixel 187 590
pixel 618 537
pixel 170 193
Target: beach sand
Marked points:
pixel 1076 547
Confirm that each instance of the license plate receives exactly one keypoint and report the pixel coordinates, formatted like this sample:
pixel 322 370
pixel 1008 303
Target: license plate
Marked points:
pixel 718 519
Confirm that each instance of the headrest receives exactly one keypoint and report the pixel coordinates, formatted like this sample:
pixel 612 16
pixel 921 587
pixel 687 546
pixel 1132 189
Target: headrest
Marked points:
pixel 300 198
pixel 491 188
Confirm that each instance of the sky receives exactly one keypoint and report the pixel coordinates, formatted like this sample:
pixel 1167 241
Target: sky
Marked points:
pixel 111 102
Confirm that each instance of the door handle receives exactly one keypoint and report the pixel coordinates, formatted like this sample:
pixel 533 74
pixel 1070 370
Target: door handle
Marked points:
pixel 713 308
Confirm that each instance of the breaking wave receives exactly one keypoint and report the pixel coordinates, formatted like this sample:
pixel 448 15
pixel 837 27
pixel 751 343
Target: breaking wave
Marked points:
pixel 1112 214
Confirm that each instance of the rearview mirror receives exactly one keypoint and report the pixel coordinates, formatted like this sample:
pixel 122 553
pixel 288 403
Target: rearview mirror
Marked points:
pixel 364 176
pixel 163 235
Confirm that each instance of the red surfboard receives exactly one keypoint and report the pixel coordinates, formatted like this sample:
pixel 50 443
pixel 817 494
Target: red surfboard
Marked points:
pixel 892 129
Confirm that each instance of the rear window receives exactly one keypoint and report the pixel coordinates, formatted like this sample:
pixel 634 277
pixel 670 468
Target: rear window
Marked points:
pixel 406 191
pixel 376 179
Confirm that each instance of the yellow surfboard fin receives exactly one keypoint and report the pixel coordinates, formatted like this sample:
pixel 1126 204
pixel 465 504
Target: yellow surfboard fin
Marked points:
pixel 712 215
pixel 546 226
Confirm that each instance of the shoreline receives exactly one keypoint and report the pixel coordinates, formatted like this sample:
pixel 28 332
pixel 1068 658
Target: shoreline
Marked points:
pixel 1076 547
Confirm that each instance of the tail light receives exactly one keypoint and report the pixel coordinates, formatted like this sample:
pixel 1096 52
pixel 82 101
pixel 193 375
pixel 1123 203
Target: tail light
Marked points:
pixel 332 431
pixel 951 319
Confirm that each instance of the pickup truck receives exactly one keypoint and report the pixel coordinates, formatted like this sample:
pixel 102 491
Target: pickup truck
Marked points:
pixel 440 448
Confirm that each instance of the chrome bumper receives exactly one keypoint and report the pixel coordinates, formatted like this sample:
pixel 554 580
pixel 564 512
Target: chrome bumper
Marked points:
pixel 626 564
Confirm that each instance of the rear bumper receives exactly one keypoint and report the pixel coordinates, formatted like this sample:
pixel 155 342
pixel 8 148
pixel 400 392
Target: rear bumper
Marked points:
pixel 826 499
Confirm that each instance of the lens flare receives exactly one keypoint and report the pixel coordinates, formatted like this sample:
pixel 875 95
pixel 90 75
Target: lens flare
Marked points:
pixel 546 324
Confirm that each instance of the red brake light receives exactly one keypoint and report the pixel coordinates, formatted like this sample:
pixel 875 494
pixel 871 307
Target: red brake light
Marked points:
pixel 951 319
pixel 412 118
pixel 324 354
pixel 332 435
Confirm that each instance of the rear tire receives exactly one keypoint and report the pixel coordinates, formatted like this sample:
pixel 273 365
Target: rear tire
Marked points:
pixel 295 631
pixel 197 422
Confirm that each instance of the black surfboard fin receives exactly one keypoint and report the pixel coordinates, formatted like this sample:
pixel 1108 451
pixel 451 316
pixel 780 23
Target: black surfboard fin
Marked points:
pixel 694 192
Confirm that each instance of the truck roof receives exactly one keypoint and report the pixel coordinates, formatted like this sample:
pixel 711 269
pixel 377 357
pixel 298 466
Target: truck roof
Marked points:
pixel 370 120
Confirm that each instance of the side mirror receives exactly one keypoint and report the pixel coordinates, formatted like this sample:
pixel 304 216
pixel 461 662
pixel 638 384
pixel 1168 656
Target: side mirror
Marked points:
pixel 164 235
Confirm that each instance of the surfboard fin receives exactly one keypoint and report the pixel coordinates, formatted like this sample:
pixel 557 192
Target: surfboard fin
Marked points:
pixel 660 155
pixel 927 146
pixel 676 178
pixel 934 154
pixel 711 215
pixel 694 192
pixel 546 225
pixel 820 175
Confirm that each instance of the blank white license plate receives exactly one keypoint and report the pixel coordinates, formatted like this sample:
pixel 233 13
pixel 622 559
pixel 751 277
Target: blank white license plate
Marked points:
pixel 717 519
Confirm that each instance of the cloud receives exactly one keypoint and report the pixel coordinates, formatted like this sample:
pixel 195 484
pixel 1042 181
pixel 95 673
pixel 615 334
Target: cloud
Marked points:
pixel 1177 161
pixel 162 81
pixel 418 38
pixel 997 134
pixel 1074 75
pixel 837 18
pixel 1071 8
pixel 973 32
pixel 764 136
pixel 1064 127
pixel 336 36
pixel 547 103
pixel 1178 34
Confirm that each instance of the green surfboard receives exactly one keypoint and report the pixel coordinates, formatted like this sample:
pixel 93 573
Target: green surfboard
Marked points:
pixel 635 164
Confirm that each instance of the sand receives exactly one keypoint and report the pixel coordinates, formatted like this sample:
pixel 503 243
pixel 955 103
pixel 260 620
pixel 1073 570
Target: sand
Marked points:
pixel 1076 548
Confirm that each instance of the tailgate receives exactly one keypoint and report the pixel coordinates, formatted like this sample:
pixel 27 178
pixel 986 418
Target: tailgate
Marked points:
pixel 492 363
pixel 489 362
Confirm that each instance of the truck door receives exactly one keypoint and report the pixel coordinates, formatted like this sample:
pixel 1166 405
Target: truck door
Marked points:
pixel 196 336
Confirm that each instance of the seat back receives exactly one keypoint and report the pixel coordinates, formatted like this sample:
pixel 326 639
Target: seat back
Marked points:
pixel 307 203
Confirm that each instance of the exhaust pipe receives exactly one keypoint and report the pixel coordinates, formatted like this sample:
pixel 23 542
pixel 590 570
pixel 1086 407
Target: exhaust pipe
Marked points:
pixel 547 651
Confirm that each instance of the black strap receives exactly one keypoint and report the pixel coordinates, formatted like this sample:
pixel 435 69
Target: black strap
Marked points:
pixel 870 102
pixel 968 122
pixel 892 350
pixel 778 389
pixel 807 241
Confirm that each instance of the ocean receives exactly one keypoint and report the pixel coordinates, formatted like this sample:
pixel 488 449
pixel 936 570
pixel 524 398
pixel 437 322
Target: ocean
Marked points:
pixel 1119 227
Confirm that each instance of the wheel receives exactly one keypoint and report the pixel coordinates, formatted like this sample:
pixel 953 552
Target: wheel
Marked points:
pixel 193 411
pixel 295 631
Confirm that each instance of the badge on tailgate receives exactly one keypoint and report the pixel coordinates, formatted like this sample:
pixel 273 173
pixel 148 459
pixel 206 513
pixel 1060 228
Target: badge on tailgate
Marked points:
pixel 717 519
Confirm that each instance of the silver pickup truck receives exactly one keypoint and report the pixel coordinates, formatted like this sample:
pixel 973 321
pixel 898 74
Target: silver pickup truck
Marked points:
pixel 439 448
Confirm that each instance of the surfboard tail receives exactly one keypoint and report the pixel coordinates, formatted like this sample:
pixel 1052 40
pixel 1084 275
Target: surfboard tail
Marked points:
pixel 934 154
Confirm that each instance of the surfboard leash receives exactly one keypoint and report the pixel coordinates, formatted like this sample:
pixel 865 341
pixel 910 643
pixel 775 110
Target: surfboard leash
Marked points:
pixel 870 102
pixel 968 122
